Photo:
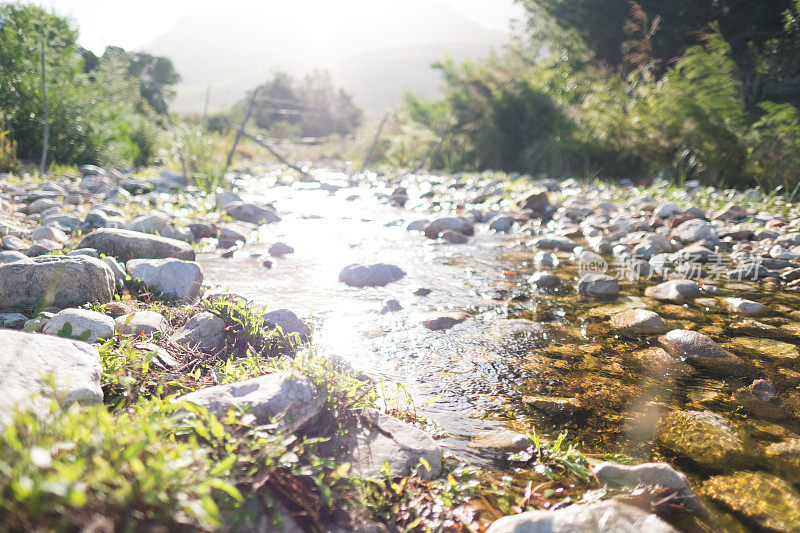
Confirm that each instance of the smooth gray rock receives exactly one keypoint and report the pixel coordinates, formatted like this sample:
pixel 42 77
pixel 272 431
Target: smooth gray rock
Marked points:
pixel 57 281
pixel 221 199
pixel 280 394
pixel 598 285
pixel 90 252
pixel 381 439
pixel 125 245
pixel 554 242
pixel 744 307
pixel 48 234
pixel 288 322
pixel 28 360
pixel 700 350
pixel 204 331
pixel 153 224
pixel 370 276
pixel 80 321
pixel 12 256
pixel 650 475
pixel 43 247
pixel 602 517
pixel 440 225
pixel 254 214
pixel 695 230
pixel 676 290
pixel 172 278
pixel 502 224
pixel 13 243
pixel 12 320
pixel 117 270
pixel 141 322
pixel 454 237
pixel 639 322
pixel 280 249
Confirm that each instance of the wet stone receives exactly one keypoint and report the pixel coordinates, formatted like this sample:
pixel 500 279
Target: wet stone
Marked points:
pixel 700 350
pixel 443 321
pixel 677 290
pixel 639 322
pixel 657 362
pixel 704 437
pixel 598 285
pixel 501 440
pixel 765 347
pixel 744 307
pixel 608 516
pixel 370 276
pixel 554 406
pixel 768 501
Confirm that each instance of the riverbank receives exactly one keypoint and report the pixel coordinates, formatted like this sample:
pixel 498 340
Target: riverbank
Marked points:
pixel 503 305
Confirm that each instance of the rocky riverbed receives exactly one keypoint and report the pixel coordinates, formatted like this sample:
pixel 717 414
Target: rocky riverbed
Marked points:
pixel 655 326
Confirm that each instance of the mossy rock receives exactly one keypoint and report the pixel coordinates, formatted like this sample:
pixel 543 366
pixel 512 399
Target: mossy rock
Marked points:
pixel 770 348
pixel 704 437
pixel 765 500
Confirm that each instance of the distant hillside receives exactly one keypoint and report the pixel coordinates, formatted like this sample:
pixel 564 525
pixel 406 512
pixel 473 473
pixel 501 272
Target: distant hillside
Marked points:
pixel 389 51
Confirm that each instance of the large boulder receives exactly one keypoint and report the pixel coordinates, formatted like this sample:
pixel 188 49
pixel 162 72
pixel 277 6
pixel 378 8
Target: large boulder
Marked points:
pixel 602 517
pixel 370 276
pixel 380 439
pixel 83 324
pixel 55 281
pixel 125 245
pixel 172 278
pixel 281 394
pixel 28 362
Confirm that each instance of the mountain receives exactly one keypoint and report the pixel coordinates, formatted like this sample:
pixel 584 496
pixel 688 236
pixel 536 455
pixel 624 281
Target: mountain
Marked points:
pixel 383 48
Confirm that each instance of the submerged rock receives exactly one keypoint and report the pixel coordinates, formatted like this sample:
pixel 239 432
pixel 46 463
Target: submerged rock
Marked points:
pixel 766 500
pixel 501 440
pixel 370 276
pixel 443 321
pixel 546 281
pixel 381 439
pixel 744 307
pixel 28 359
pixel 704 437
pixel 657 362
pixel 553 405
pixel 280 394
pixel 602 517
pixel 784 457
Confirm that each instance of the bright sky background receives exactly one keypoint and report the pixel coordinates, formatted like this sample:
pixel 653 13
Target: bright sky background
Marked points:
pixel 132 23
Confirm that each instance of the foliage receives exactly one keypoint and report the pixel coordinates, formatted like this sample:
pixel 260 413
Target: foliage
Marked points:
pixel 562 111
pixel 85 464
pixel 99 108
pixel 310 107
pixel 200 155
pixel 8 148
pixel 247 331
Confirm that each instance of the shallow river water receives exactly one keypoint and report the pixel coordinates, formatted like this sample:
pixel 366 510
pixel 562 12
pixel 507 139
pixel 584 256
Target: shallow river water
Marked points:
pixel 482 373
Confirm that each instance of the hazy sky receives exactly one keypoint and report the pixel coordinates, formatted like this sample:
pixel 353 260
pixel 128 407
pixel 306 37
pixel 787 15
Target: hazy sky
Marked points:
pixel 132 23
